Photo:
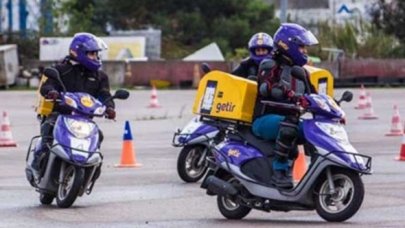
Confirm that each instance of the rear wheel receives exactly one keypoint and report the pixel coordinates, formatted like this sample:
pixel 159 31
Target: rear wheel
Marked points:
pixel 230 208
pixel 46 198
pixel 345 201
pixel 68 190
pixel 191 163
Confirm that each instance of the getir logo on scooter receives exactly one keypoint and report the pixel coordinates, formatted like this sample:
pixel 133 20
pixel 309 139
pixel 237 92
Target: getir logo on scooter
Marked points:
pixel 225 107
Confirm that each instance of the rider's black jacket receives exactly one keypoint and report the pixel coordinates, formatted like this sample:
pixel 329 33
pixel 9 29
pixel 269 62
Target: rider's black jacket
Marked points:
pixel 77 78
pixel 247 67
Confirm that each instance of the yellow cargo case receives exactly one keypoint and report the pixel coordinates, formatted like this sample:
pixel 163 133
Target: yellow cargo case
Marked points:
pixel 225 96
pixel 321 79
pixel 43 108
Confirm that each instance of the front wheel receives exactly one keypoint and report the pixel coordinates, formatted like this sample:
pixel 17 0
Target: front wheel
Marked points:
pixel 345 201
pixel 69 188
pixel 191 163
pixel 230 208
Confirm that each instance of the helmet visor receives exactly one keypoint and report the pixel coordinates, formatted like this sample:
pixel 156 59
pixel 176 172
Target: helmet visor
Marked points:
pixel 306 39
pixel 103 46
pixel 92 43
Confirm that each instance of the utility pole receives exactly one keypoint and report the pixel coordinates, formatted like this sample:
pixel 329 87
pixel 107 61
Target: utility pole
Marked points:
pixel 23 18
pixel 9 6
pixel 46 12
pixel 283 10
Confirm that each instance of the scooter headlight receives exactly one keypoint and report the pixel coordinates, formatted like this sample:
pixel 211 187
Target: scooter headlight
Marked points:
pixel 80 129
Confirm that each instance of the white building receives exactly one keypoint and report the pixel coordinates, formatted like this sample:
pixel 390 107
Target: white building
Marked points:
pixel 334 11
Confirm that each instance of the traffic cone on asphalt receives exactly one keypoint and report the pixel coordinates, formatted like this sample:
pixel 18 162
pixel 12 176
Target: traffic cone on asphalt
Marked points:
pixel 361 103
pixel 6 137
pixel 128 158
pixel 154 103
pixel 396 125
pixel 369 115
pixel 300 165
pixel 401 156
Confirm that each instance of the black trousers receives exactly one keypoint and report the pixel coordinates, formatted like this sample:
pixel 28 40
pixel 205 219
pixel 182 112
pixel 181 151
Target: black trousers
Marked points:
pixel 287 138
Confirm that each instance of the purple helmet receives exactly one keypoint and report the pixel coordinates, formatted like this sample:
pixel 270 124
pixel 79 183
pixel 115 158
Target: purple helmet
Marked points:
pixel 287 40
pixel 260 40
pixel 83 43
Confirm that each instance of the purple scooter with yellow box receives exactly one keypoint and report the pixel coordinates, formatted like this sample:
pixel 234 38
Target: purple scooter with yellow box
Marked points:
pixel 240 173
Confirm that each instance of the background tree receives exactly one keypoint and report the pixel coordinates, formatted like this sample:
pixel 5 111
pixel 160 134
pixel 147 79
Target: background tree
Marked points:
pixel 186 25
pixel 362 41
pixel 389 17
pixel 79 16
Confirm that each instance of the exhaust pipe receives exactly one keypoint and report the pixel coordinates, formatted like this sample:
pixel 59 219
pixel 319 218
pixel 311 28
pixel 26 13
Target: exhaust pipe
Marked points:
pixel 219 187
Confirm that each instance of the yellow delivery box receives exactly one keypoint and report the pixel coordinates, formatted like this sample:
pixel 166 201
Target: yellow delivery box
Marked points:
pixel 321 79
pixel 222 95
pixel 44 107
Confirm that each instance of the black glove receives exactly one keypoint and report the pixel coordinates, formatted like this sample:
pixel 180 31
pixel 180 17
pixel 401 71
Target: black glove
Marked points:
pixel 53 94
pixel 110 113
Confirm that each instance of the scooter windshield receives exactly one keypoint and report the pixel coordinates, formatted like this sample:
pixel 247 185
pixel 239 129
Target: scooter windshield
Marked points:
pixel 83 103
pixel 324 105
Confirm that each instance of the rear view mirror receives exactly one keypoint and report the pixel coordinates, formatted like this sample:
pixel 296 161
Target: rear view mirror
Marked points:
pixel 346 96
pixel 52 73
pixel 121 94
pixel 205 68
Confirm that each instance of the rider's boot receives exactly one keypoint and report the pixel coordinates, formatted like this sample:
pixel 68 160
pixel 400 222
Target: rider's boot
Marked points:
pixel 285 145
pixel 280 177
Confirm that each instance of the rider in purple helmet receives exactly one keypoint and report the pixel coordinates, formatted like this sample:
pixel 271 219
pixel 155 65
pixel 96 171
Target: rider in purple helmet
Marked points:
pixel 79 72
pixel 260 46
pixel 276 83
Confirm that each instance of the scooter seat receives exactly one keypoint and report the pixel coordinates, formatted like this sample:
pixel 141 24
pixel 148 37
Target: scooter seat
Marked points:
pixel 264 146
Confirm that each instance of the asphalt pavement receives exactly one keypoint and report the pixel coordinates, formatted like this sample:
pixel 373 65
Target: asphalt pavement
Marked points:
pixel 154 196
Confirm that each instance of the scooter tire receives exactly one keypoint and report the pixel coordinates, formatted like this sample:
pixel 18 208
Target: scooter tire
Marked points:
pixel 65 200
pixel 350 204
pixel 182 163
pixel 45 198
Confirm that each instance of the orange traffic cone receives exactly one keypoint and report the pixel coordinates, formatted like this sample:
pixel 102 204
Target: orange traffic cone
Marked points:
pixel 401 156
pixel 6 137
pixel 128 158
pixel 361 103
pixel 300 165
pixel 154 103
pixel 369 115
pixel 396 125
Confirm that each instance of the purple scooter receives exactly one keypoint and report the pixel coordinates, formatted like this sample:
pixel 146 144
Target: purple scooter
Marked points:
pixel 240 174
pixel 73 163
pixel 194 139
